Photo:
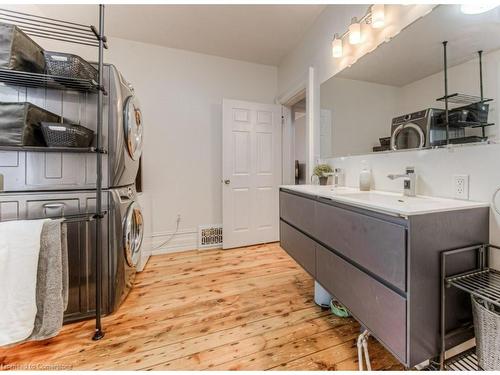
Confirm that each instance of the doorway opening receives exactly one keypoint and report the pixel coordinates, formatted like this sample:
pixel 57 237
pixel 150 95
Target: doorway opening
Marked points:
pixel 298 116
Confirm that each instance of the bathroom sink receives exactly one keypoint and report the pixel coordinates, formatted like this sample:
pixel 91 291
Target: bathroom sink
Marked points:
pixel 400 204
pixel 386 202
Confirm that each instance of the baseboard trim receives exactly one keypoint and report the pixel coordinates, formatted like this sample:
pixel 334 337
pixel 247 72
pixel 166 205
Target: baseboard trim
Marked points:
pixel 181 241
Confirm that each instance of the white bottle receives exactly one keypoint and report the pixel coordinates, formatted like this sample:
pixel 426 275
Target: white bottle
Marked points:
pixel 365 178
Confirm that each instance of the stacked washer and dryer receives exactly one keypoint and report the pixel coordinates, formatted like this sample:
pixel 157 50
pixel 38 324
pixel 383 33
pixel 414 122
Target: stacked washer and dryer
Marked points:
pixel 55 184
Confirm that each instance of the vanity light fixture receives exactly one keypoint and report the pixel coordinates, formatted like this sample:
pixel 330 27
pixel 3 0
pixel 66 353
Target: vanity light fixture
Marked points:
pixel 378 16
pixel 478 8
pixel 354 31
pixel 337 46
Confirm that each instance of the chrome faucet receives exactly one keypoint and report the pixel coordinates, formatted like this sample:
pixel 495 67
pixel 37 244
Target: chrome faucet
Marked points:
pixel 410 180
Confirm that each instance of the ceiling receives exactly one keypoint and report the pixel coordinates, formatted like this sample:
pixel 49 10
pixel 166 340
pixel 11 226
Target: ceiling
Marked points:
pixel 262 34
pixel 417 52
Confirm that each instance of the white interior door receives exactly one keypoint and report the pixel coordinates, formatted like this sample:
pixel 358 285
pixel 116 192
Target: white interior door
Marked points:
pixel 251 156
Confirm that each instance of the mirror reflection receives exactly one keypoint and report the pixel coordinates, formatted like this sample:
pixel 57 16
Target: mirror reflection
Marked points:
pixel 374 106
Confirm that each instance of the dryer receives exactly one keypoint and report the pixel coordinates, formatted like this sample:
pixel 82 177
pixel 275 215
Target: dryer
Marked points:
pixel 125 130
pixel 126 231
pixel 421 129
pixel 122 138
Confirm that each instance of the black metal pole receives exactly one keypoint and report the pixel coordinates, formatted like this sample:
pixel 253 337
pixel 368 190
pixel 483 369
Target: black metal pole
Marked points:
pixel 447 123
pixel 480 53
pixel 442 312
pixel 99 334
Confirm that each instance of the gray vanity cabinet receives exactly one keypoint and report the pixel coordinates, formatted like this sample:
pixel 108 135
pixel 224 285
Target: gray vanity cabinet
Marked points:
pixel 385 269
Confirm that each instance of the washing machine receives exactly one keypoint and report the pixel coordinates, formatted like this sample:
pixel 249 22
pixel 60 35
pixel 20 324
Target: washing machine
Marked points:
pixel 126 230
pixel 122 135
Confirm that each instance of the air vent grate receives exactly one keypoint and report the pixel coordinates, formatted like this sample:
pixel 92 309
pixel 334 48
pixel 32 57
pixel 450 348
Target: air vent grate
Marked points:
pixel 209 236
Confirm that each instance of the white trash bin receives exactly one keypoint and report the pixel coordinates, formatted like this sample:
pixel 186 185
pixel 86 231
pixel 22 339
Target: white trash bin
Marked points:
pixel 321 297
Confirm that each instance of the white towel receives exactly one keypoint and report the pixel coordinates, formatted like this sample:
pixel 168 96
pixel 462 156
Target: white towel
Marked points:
pixel 19 251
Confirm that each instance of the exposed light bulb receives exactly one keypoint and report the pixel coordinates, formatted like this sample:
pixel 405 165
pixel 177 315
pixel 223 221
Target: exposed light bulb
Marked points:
pixel 378 16
pixel 355 31
pixel 337 46
pixel 477 8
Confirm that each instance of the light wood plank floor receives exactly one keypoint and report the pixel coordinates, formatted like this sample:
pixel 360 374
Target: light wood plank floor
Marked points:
pixel 244 309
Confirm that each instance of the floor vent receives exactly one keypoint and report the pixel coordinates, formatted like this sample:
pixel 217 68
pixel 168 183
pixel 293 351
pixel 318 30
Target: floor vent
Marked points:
pixel 209 236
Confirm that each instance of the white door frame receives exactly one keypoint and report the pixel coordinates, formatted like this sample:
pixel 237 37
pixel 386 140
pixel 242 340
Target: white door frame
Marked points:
pixel 306 84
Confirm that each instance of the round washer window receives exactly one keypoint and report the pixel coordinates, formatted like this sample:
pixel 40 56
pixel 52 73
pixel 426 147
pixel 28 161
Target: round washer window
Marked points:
pixel 133 127
pixel 407 136
pixel 133 232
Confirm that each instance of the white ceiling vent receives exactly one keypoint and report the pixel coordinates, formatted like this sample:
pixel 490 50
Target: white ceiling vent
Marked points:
pixel 210 236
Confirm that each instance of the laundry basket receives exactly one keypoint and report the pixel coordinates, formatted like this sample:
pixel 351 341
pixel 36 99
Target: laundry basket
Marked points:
pixel 487 331
pixel 66 135
pixel 18 51
pixel 68 65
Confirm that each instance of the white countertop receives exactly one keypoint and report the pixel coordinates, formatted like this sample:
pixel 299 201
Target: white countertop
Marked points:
pixel 385 202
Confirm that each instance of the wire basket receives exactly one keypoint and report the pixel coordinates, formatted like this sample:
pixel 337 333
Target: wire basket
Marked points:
pixel 66 135
pixel 487 331
pixel 68 65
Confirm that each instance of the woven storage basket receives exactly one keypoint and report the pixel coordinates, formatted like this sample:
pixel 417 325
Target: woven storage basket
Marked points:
pixel 487 330
pixel 66 135
pixel 68 65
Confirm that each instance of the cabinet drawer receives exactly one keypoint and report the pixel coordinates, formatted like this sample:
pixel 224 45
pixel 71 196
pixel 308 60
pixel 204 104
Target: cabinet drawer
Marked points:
pixel 377 245
pixel 377 307
pixel 299 246
pixel 298 211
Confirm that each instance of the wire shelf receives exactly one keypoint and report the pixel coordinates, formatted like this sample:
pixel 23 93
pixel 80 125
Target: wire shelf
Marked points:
pixel 27 79
pixel 463 99
pixel 50 28
pixel 48 149
pixel 466 361
pixel 484 284
pixel 87 217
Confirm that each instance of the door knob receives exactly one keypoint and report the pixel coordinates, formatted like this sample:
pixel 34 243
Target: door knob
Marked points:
pixel 227 182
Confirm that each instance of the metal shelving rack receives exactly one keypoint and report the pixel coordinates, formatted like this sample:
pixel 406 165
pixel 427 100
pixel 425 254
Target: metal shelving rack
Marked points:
pixel 483 283
pixel 70 32
pixel 463 99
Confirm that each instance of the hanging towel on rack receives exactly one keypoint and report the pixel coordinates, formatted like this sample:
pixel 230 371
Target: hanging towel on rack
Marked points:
pixel 19 251
pixel 52 281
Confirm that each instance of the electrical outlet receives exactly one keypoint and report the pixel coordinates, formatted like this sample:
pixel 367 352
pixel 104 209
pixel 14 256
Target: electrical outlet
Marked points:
pixel 461 186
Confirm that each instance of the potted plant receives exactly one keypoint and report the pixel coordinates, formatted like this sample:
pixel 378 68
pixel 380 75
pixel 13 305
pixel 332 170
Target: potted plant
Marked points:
pixel 320 170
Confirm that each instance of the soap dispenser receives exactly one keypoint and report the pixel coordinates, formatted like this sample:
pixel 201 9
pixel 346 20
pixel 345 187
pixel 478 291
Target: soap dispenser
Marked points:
pixel 365 177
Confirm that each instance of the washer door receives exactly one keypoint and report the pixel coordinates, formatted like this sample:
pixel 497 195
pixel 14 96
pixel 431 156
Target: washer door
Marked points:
pixel 407 136
pixel 133 232
pixel 133 127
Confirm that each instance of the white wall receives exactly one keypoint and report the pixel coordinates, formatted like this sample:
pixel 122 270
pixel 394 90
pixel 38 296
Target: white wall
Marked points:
pixel 181 94
pixel 361 113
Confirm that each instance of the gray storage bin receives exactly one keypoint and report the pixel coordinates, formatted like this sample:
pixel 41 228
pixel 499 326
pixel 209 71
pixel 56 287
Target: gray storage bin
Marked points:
pixel 18 51
pixel 20 124
pixel 487 331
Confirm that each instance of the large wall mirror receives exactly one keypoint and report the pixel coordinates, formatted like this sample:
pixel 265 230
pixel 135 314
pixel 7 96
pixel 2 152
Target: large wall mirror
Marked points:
pixel 388 100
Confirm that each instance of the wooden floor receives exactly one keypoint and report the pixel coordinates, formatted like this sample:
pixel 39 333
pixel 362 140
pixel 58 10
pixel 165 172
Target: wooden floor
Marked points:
pixel 244 309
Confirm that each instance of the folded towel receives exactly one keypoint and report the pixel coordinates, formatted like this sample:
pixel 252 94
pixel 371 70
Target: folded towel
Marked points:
pixel 52 281
pixel 19 250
